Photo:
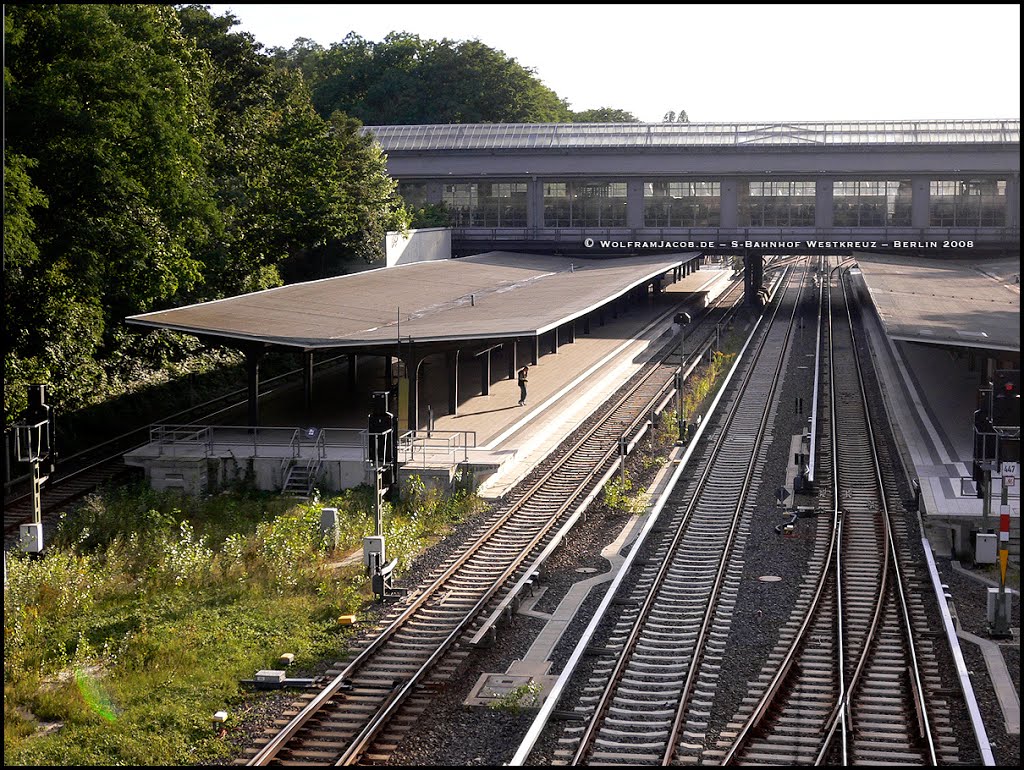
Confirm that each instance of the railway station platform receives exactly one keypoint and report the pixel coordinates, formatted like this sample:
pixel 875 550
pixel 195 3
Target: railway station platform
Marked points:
pixel 489 434
pixel 938 332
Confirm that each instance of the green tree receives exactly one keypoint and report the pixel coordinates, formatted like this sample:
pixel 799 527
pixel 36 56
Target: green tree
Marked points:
pixel 604 115
pixel 299 196
pixel 431 215
pixel 108 102
pixel 155 157
pixel 405 79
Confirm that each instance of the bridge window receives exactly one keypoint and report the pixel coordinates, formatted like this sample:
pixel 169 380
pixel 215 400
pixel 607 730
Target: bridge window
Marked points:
pixel 859 203
pixel 967 203
pixel 670 203
pixel 584 204
pixel 777 204
pixel 486 204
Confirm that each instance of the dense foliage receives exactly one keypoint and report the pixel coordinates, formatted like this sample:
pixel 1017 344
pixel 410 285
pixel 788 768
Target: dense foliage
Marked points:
pixel 154 158
pixel 406 80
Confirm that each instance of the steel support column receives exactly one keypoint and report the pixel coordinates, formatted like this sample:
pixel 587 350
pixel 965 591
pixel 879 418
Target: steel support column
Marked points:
pixel 452 364
pixel 252 372
pixel 511 357
pixel 353 371
pixel 307 382
pixel 485 373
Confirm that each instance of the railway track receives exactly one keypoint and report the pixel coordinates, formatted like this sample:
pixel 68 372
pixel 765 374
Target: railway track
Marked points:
pixel 853 678
pixel 374 698
pixel 636 699
pixel 847 687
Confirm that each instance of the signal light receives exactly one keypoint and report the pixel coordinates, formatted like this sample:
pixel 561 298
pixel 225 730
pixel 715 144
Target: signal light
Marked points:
pixel 1006 399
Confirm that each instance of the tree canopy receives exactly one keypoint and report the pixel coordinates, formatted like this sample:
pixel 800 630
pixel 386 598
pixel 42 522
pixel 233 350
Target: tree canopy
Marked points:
pixel 605 115
pixel 153 158
pixel 405 79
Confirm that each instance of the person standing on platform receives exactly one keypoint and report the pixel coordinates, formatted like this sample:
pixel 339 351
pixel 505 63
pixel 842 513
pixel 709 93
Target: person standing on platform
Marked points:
pixel 522 385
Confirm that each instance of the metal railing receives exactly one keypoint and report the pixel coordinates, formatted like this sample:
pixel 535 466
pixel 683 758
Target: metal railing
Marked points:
pixel 419 449
pixel 725 235
pixel 286 442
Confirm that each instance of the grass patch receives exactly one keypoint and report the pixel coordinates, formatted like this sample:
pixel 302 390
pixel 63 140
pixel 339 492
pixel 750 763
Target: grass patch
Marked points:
pixel 148 608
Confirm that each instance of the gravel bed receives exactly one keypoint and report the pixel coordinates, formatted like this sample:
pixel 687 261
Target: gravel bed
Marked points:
pixel 486 736
pixel 764 607
pixel 969 601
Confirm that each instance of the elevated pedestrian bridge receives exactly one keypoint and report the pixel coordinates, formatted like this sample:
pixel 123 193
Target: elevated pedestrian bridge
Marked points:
pixel 935 187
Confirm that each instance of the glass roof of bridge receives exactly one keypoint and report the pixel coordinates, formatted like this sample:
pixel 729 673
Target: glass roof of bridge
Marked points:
pixel 527 136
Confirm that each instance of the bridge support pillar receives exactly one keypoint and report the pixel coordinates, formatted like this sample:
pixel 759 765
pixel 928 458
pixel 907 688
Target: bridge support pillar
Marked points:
pixel 823 207
pixel 730 204
pixel 753 277
pixel 534 203
pixel 635 204
pixel 920 202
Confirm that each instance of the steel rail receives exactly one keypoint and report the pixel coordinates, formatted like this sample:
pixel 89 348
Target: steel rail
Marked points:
pixel 379 719
pixel 637 626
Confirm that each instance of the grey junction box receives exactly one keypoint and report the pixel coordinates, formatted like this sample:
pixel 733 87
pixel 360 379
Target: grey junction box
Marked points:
pixel 985 548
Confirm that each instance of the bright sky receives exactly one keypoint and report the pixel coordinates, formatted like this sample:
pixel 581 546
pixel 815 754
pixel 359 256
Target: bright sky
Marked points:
pixel 726 63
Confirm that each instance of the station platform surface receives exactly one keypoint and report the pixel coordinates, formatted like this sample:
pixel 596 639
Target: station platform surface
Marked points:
pixel 968 303
pixel 931 393
pixel 563 388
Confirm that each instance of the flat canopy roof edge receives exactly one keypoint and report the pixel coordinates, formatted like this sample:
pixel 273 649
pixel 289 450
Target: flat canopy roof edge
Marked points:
pixel 505 290
pixel 955 342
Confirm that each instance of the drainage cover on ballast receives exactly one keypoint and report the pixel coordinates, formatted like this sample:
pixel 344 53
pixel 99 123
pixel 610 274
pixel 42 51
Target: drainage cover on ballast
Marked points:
pixel 769 578
pixel 586 570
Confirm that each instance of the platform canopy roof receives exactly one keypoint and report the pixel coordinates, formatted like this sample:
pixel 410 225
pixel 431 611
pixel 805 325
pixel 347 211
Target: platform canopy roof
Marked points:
pixel 487 296
pixel 953 303
pixel 570 136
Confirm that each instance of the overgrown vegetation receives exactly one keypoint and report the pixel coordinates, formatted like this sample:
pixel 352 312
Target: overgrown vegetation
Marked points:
pixel 525 696
pixel 142 617
pixel 704 382
pixel 619 495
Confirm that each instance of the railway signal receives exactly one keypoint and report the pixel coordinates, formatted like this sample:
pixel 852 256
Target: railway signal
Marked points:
pixel 1010 471
pixel 34 444
pixel 380 456
pixel 1006 399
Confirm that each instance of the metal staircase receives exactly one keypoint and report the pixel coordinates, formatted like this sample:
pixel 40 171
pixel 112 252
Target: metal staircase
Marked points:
pixel 301 476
